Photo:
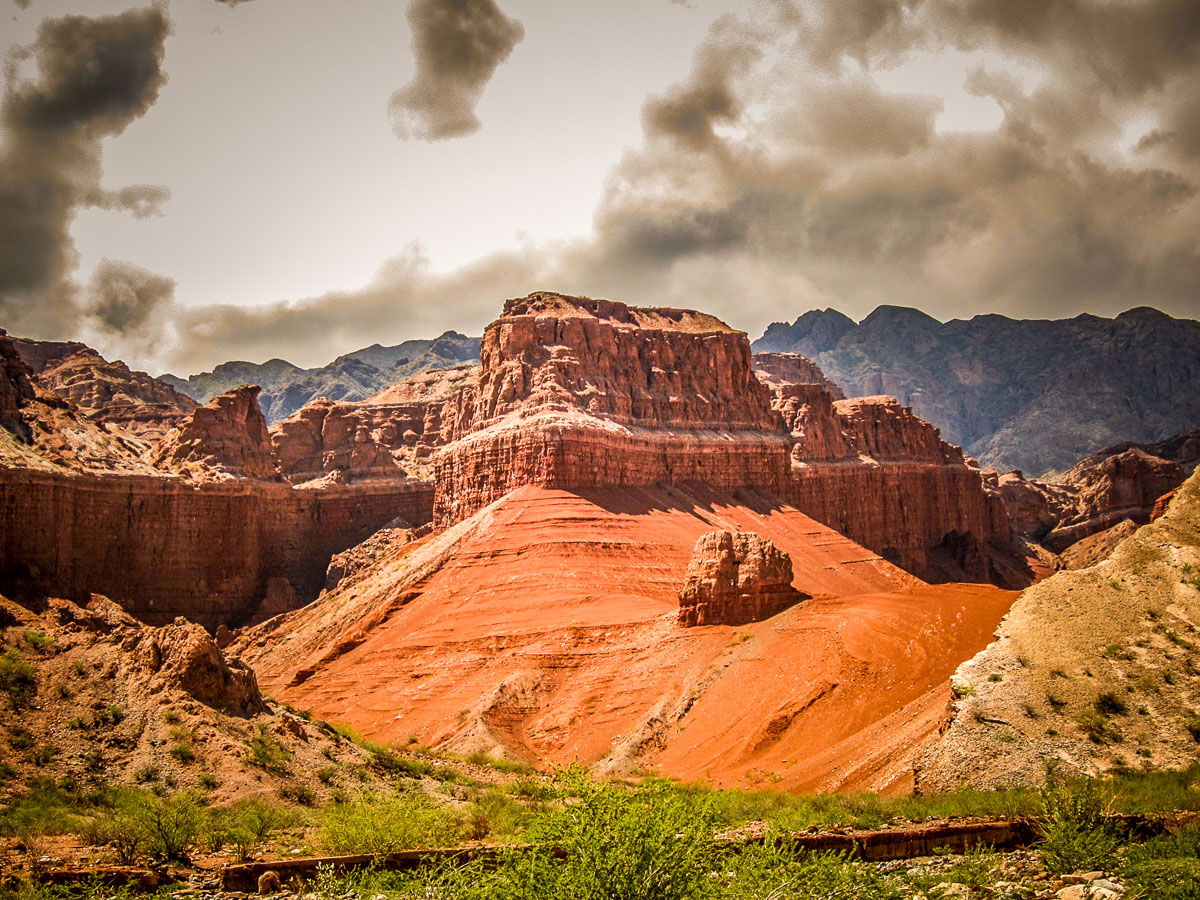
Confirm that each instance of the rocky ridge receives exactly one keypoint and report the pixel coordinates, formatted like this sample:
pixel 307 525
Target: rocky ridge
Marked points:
pixel 349 378
pixel 1033 395
pixel 107 392
pixel 226 438
pixel 1091 670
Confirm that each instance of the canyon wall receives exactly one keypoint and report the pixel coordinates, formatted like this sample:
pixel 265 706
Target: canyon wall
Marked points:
pixel 576 393
pixel 164 548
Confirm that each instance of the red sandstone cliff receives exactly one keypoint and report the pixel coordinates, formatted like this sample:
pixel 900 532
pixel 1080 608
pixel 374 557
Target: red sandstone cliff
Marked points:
pixel 779 369
pixel 579 393
pixel 227 438
pixel 106 392
pixel 390 435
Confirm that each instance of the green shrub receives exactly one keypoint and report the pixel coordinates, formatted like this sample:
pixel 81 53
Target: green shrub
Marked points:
pixel 171 824
pixel 1098 728
pixel 18 679
pixel 183 752
pixel 383 824
pixel 267 753
pixel 392 763
pixel 1074 831
pixel 616 843
pixel 38 640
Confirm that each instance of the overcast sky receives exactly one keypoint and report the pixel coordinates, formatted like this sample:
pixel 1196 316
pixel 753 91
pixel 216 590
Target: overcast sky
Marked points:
pixel 193 181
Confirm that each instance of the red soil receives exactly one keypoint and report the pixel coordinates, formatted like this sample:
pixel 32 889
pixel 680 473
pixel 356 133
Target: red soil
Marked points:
pixel 545 626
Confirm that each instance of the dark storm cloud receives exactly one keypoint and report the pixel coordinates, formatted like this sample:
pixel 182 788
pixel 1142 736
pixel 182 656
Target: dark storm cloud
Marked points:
pixel 124 298
pixel 818 185
pixel 781 175
pixel 458 45
pixel 95 76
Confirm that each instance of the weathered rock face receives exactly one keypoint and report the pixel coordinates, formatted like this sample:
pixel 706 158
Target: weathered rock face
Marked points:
pixel 390 435
pixel 1122 482
pixel 734 579
pixel 185 656
pixel 107 392
pixel 227 438
pixel 15 390
pixel 1035 395
pixel 163 547
pixel 576 393
pixel 779 369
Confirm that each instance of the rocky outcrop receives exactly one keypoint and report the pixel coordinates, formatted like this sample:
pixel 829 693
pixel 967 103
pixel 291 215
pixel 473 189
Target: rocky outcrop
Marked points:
pixel 734 579
pixel 1034 395
pixel 779 369
pixel 390 435
pixel 578 393
pixel 227 438
pixel 575 392
pixel 106 392
pixel 15 390
pixel 183 655
pixel 1124 482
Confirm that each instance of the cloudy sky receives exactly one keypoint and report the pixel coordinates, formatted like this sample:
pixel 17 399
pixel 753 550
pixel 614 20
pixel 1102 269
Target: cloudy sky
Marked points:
pixel 192 181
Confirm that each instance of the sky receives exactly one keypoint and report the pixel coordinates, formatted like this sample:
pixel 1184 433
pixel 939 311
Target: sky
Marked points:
pixel 192 181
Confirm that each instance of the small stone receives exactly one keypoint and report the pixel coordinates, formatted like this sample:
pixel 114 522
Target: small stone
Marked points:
pixel 1072 892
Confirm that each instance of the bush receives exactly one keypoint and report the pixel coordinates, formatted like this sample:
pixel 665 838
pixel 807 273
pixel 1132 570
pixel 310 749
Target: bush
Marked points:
pixel 383 824
pixel 171 824
pixel 1109 704
pixel 615 843
pixel 1098 728
pixel 267 753
pixel 1075 833
pixel 18 679
pixel 183 752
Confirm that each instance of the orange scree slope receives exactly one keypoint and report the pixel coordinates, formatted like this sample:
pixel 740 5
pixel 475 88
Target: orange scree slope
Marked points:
pixel 544 626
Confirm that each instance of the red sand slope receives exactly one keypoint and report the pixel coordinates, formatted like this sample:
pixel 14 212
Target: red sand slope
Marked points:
pixel 545 625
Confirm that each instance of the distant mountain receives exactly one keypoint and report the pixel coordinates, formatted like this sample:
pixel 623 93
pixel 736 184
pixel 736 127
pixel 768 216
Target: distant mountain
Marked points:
pixel 1028 394
pixel 352 376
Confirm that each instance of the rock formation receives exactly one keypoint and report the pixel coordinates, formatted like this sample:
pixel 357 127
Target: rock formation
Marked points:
pixel 1092 670
pixel 81 512
pixel 779 369
pixel 1119 483
pixel 15 390
pixel 106 392
pixel 390 435
pixel 735 578
pixel 580 393
pixel 183 655
pixel 225 438
pixel 1034 395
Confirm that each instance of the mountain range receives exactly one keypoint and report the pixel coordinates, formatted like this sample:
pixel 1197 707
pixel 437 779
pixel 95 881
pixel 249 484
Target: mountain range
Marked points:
pixel 353 376
pixel 1027 394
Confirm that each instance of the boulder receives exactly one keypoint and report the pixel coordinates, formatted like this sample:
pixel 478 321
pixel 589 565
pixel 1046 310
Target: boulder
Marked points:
pixel 735 578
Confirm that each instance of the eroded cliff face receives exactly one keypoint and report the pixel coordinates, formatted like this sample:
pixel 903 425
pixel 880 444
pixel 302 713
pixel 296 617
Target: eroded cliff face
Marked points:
pixel 390 435
pixel 81 512
pixel 106 392
pixel 577 393
pixel 226 438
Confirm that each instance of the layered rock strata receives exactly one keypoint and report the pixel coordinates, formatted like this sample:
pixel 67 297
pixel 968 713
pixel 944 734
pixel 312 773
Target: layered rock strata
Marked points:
pixel 225 438
pixel 107 392
pixel 735 578
pixel 578 393
pixel 81 513
pixel 390 435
